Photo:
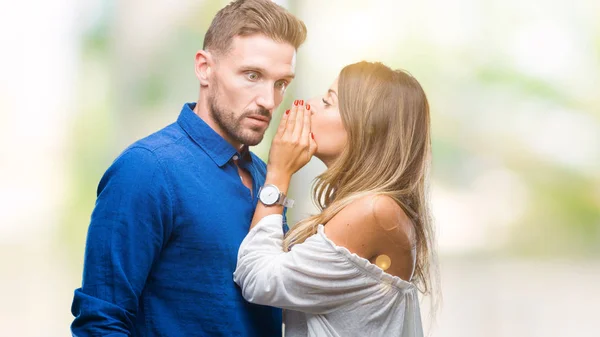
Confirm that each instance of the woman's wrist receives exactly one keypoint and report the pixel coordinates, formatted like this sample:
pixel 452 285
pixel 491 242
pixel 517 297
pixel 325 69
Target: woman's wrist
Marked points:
pixel 279 179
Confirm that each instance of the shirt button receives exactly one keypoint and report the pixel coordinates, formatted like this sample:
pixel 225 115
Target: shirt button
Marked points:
pixel 235 157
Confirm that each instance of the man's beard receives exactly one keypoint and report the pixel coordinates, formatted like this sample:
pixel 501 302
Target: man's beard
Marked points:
pixel 231 125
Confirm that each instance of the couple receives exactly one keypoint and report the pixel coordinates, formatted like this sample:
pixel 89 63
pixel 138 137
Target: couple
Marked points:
pixel 187 235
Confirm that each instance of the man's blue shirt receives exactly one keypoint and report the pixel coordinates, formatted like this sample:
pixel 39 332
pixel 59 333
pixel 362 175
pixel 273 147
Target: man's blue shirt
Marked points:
pixel 162 244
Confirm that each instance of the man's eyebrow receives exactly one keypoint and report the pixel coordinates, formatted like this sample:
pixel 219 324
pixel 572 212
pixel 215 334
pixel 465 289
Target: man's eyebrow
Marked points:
pixel 253 68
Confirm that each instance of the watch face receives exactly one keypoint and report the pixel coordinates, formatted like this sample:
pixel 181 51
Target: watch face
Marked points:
pixel 269 195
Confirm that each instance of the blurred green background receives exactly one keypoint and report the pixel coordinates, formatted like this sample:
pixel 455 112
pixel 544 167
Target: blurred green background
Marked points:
pixel 514 90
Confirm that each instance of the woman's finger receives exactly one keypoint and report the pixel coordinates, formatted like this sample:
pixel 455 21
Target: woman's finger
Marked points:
pixel 282 124
pixel 291 120
pixel 306 124
pixel 299 124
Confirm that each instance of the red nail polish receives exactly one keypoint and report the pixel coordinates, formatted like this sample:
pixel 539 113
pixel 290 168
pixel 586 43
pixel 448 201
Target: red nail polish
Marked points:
pixel 296 102
pixel 312 135
pixel 287 112
pixel 301 102
pixel 308 107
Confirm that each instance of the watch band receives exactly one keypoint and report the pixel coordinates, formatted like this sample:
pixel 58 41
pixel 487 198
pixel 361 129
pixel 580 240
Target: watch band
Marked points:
pixel 286 202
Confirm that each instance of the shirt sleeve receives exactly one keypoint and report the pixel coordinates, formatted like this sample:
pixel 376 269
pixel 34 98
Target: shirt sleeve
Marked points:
pixel 129 225
pixel 313 277
pixel 284 225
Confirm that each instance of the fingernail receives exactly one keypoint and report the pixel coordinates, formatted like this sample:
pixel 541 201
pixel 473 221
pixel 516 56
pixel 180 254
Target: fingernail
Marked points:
pixel 308 107
pixel 296 102
pixel 301 102
pixel 287 112
pixel 312 135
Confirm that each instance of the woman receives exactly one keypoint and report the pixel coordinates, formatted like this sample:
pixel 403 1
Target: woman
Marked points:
pixel 354 269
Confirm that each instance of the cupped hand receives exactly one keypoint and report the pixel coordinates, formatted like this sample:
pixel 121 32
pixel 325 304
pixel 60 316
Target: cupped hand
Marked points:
pixel 293 144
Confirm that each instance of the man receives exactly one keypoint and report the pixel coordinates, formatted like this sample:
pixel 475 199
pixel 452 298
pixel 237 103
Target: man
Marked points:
pixel 174 207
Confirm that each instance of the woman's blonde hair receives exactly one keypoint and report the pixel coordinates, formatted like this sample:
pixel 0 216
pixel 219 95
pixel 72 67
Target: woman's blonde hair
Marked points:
pixel 386 115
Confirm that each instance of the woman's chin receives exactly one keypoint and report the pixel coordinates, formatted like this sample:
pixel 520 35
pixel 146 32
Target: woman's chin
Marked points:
pixel 327 159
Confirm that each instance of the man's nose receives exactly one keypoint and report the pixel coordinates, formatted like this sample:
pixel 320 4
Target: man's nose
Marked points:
pixel 266 99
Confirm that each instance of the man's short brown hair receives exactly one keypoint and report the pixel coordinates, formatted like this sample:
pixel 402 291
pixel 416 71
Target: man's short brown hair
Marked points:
pixel 248 17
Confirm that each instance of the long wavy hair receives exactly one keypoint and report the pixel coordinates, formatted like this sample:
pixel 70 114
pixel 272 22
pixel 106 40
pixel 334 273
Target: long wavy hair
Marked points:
pixel 386 115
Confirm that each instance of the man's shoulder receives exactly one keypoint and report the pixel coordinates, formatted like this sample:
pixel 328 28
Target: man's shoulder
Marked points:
pixel 151 149
pixel 165 137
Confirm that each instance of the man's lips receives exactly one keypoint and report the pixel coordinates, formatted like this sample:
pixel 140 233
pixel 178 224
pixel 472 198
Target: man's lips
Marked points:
pixel 260 118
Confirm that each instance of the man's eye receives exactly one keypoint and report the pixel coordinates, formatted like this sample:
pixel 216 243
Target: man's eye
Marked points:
pixel 281 85
pixel 252 76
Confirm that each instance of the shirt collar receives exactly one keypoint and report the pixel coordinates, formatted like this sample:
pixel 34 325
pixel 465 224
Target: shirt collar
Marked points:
pixel 217 148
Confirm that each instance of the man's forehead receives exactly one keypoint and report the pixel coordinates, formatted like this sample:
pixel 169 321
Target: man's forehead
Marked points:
pixel 294 63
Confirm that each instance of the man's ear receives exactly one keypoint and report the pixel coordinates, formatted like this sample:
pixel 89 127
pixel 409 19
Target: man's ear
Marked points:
pixel 203 66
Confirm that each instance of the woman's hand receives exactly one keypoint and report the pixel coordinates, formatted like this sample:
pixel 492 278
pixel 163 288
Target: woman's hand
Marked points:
pixel 292 148
pixel 293 144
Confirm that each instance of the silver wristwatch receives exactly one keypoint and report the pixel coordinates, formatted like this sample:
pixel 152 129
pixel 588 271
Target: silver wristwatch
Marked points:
pixel 270 195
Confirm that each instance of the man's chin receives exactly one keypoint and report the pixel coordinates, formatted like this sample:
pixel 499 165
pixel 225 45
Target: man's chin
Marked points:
pixel 253 140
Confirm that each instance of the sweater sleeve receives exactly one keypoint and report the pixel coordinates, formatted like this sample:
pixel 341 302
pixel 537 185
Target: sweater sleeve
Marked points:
pixel 312 277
